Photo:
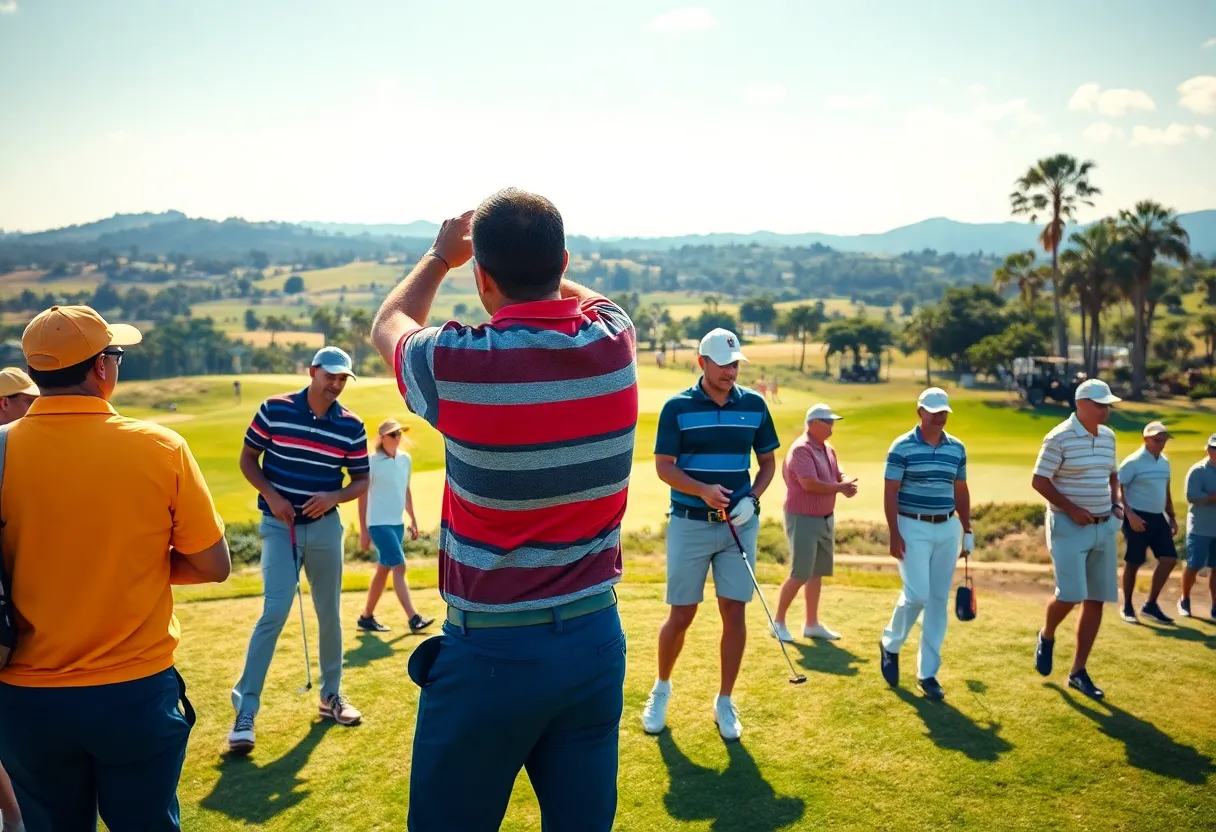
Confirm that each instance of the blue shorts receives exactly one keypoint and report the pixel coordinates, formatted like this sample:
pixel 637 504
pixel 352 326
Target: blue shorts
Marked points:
pixel 390 544
pixel 1200 552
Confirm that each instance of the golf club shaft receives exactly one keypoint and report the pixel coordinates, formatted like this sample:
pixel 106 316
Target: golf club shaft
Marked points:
pixel 763 603
pixel 295 557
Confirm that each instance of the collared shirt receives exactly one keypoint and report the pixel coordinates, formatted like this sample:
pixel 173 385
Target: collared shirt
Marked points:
pixel 1200 484
pixel 806 458
pixel 303 454
pixel 926 473
pixel 1079 464
pixel 714 443
pixel 1146 481
pixel 390 481
pixel 538 410
pixel 91 503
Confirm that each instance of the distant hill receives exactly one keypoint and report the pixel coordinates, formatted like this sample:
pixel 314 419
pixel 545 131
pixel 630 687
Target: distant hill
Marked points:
pixel 421 228
pixel 92 231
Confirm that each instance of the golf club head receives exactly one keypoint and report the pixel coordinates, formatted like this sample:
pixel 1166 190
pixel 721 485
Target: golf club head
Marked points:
pixel 798 680
pixel 305 689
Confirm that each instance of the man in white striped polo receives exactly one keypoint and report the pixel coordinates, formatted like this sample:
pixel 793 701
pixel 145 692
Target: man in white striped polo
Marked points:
pixel 1076 472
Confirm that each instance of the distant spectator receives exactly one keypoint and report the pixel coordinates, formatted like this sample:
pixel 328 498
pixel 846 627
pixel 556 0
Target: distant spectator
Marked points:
pixel 17 393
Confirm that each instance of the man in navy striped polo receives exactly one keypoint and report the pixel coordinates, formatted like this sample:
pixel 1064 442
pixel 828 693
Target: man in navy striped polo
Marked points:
pixel 928 506
pixel 538 410
pixel 703 450
pixel 295 451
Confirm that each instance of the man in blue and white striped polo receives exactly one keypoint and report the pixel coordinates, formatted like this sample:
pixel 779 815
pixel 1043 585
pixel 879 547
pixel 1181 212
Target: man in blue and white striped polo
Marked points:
pixel 928 506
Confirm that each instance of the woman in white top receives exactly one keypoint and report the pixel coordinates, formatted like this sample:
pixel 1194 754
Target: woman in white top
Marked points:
pixel 380 509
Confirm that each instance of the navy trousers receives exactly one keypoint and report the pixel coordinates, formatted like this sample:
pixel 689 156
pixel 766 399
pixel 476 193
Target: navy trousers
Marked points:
pixel 117 750
pixel 546 698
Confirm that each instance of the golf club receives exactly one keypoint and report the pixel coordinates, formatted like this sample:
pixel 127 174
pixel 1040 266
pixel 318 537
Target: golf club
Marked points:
pixel 298 561
pixel 797 678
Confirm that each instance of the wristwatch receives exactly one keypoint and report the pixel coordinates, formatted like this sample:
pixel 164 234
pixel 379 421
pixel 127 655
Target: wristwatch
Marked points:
pixel 755 501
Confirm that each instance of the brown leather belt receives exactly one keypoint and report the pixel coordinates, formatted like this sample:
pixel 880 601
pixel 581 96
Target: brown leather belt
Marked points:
pixel 928 518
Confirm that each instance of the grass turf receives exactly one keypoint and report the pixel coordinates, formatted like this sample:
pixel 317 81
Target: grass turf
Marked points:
pixel 1007 750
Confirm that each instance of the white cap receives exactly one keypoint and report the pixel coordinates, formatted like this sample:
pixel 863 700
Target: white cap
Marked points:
pixel 934 400
pixel 821 412
pixel 721 346
pixel 1096 390
pixel 1156 429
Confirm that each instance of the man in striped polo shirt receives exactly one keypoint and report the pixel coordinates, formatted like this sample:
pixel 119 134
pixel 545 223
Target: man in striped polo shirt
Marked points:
pixel 1077 473
pixel 928 506
pixel 703 450
pixel 295 451
pixel 538 410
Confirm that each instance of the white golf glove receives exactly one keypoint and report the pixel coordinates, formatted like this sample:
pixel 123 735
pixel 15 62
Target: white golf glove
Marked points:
pixel 743 512
pixel 968 542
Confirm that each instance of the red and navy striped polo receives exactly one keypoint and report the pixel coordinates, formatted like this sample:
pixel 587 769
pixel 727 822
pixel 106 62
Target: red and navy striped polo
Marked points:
pixel 538 410
pixel 303 454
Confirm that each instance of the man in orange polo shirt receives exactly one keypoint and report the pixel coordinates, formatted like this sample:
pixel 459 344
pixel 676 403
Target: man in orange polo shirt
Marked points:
pixel 102 515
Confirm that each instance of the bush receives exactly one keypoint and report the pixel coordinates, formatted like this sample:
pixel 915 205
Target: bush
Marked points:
pixel 994 521
pixel 1203 389
pixel 244 542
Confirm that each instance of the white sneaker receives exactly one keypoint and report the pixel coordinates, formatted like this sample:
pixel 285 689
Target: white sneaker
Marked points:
pixel 654 714
pixel 781 632
pixel 240 738
pixel 821 632
pixel 727 717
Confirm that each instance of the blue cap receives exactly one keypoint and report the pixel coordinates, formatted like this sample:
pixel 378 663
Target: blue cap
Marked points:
pixel 334 361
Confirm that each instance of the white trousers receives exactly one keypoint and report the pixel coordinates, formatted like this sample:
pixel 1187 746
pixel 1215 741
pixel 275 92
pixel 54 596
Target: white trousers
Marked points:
pixel 931 551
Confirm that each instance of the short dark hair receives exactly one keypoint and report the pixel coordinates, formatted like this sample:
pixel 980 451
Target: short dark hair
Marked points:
pixel 520 241
pixel 66 377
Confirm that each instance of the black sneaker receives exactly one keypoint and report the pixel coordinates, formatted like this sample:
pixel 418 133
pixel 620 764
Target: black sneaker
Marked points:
pixel 1081 681
pixel 419 623
pixel 1184 607
pixel 1153 610
pixel 369 624
pixel 1129 615
pixel 931 689
pixel 1042 655
pixel 890 665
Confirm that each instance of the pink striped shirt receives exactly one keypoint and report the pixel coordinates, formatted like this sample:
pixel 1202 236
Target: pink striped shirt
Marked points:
pixel 807 458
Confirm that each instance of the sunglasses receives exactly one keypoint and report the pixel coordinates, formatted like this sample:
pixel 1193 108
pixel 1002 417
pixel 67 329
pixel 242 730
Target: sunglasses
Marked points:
pixel 396 434
pixel 117 352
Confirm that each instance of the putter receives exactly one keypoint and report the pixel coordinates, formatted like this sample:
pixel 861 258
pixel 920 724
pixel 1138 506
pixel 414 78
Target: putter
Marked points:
pixel 797 678
pixel 298 561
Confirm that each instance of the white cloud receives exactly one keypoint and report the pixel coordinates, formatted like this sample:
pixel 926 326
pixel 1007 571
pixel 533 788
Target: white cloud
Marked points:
pixel 1209 43
pixel 976 90
pixel 1117 102
pixel 679 21
pixel 852 102
pixel 764 95
pixel 943 81
pixel 1102 132
pixel 8 6
pixel 1016 110
pixel 1198 94
pixel 1175 134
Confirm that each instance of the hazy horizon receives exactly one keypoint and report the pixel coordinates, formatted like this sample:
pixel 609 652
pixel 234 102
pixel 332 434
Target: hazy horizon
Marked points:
pixel 651 119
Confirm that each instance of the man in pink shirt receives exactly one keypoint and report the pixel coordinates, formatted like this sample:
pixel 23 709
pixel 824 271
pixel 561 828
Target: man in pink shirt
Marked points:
pixel 812 480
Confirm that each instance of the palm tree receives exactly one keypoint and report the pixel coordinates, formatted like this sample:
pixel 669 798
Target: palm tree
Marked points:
pixel 360 329
pixel 1091 270
pixel 1019 270
pixel 1056 184
pixel 1150 230
pixel 918 334
pixel 803 322
pixel 1207 333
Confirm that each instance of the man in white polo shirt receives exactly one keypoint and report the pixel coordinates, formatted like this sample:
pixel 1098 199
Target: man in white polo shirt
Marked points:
pixel 1076 473
pixel 1148 520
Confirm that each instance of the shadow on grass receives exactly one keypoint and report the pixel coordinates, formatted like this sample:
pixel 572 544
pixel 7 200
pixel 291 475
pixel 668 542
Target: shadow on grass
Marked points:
pixel 371 648
pixel 1187 634
pixel 256 793
pixel 952 730
pixel 1148 747
pixel 738 798
pixel 826 657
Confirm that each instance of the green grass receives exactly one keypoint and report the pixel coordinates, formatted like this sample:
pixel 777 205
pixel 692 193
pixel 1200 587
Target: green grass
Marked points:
pixel 1007 750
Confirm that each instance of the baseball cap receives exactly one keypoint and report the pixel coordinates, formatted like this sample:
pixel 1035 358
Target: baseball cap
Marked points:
pixel 721 346
pixel 821 412
pixel 14 381
pixel 64 336
pixel 1156 429
pixel 1096 390
pixel 1212 441
pixel 334 361
pixel 390 425
pixel 934 400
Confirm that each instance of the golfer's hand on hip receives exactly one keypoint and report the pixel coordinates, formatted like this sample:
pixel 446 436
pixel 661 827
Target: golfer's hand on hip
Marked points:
pixel 1081 518
pixel 318 504
pixel 454 242
pixel 715 496
pixel 281 508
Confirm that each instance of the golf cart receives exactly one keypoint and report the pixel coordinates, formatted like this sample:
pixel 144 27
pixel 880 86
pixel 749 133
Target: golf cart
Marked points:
pixel 1042 378
pixel 866 373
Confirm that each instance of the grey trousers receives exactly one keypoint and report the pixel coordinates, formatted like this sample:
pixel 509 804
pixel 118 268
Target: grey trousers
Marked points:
pixel 320 545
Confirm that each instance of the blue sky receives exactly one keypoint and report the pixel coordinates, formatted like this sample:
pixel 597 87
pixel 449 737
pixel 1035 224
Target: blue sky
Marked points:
pixel 634 117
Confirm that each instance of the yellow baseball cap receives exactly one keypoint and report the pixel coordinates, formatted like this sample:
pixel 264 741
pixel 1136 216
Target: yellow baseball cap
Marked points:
pixel 64 336
pixel 14 381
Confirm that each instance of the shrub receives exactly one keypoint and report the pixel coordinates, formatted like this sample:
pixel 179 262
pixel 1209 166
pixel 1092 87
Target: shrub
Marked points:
pixel 1204 389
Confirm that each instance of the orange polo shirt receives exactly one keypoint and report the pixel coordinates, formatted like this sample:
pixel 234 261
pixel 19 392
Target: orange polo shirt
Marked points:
pixel 91 503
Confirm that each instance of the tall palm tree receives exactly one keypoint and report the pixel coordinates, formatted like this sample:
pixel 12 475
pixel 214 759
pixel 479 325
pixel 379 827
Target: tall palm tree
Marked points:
pixel 1019 270
pixel 1150 231
pixel 803 322
pixel 1057 184
pixel 1092 268
pixel 1207 333
pixel 918 334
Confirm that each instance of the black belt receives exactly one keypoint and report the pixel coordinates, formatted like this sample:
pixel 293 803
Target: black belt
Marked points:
pixel 530 618
pixel 707 515
pixel 928 518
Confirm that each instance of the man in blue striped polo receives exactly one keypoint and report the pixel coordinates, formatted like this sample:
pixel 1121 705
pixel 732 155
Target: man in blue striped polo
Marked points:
pixel 928 506
pixel 295 451
pixel 703 450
